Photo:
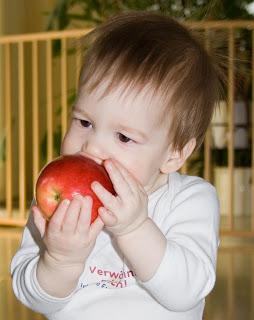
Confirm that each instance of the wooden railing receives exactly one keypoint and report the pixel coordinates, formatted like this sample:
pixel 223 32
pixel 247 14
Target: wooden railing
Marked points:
pixel 19 146
pixel 39 73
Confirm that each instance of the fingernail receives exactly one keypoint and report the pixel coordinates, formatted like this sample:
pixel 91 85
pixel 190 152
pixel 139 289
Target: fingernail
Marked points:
pixel 109 164
pixel 94 184
pixel 101 210
pixel 88 198
pixel 78 196
pixel 66 202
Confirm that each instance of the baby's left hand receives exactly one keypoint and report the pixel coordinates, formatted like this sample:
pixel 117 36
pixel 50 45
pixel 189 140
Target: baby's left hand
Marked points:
pixel 127 210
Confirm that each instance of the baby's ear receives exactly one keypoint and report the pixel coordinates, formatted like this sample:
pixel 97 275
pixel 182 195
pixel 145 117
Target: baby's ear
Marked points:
pixel 176 159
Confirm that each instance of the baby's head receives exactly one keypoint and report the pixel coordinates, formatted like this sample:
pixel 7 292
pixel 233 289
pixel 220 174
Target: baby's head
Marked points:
pixel 146 72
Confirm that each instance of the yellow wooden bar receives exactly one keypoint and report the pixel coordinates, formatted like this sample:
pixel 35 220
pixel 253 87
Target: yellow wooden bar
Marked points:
pixel 244 234
pixel 207 142
pixel 23 314
pixel 44 36
pixel 22 141
pixel 13 222
pixel 49 100
pixel 7 95
pixel 231 126
pixel 252 287
pixel 64 110
pixel 220 24
pixel 38 316
pixel 78 62
pixel 9 294
pixel 36 141
pixel 252 138
pixel 230 288
pixel 207 155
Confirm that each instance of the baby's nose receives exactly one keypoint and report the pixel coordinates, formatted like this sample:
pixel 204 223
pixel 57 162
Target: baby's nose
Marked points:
pixel 95 151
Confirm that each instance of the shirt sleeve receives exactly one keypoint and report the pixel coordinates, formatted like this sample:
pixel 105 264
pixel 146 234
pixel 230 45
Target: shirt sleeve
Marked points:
pixel 23 272
pixel 186 274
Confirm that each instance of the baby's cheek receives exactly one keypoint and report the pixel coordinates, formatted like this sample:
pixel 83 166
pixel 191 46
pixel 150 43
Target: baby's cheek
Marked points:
pixel 70 145
pixel 65 145
pixel 140 172
pixel 146 173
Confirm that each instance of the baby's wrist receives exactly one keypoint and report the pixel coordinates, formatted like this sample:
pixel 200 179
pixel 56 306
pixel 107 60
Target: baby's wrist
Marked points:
pixel 56 279
pixel 59 264
pixel 131 229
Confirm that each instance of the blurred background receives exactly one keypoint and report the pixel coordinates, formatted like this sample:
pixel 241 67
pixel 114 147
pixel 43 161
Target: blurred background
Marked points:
pixel 40 59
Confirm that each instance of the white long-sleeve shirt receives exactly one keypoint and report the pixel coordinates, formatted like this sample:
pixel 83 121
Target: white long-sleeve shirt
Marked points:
pixel 186 210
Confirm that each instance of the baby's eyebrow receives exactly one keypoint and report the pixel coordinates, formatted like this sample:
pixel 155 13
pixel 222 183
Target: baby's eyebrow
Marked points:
pixel 81 111
pixel 135 131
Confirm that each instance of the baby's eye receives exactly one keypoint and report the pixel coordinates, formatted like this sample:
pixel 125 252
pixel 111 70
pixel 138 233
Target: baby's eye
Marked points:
pixel 123 138
pixel 84 123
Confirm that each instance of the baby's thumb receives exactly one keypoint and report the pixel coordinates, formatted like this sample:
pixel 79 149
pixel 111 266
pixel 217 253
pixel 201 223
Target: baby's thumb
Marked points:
pixel 39 220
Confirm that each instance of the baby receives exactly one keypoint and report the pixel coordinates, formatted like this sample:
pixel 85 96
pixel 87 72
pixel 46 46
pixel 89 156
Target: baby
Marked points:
pixel 146 95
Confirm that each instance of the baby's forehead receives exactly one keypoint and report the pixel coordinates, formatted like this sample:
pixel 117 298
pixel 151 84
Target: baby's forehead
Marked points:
pixel 142 102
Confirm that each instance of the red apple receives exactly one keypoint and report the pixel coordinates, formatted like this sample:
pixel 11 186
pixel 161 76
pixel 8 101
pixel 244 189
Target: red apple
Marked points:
pixel 66 176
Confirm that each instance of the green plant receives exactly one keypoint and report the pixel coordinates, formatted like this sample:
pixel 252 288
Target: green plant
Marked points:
pixel 242 157
pixel 89 13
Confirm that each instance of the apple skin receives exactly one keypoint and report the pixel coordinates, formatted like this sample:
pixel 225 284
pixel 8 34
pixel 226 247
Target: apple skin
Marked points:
pixel 67 176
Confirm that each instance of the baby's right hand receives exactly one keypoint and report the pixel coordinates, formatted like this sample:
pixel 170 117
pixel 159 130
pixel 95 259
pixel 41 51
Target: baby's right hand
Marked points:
pixel 68 236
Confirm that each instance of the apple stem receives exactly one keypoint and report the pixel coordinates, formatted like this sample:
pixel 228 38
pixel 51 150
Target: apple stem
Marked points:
pixel 57 197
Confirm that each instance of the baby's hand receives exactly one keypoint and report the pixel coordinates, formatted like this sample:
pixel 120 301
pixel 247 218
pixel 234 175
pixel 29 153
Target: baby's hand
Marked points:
pixel 68 236
pixel 125 212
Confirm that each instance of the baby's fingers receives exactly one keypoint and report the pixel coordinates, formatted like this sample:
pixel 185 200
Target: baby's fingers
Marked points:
pixel 107 217
pixel 85 220
pixel 72 215
pixel 96 227
pixel 56 221
pixel 109 201
pixel 85 215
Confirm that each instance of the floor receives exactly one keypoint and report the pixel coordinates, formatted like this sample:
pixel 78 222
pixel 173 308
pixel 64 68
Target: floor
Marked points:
pixel 231 299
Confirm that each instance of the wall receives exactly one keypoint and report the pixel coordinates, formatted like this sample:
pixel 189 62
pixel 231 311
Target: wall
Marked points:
pixel 24 16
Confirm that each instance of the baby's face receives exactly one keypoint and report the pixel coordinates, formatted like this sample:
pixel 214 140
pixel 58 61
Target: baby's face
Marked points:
pixel 122 128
